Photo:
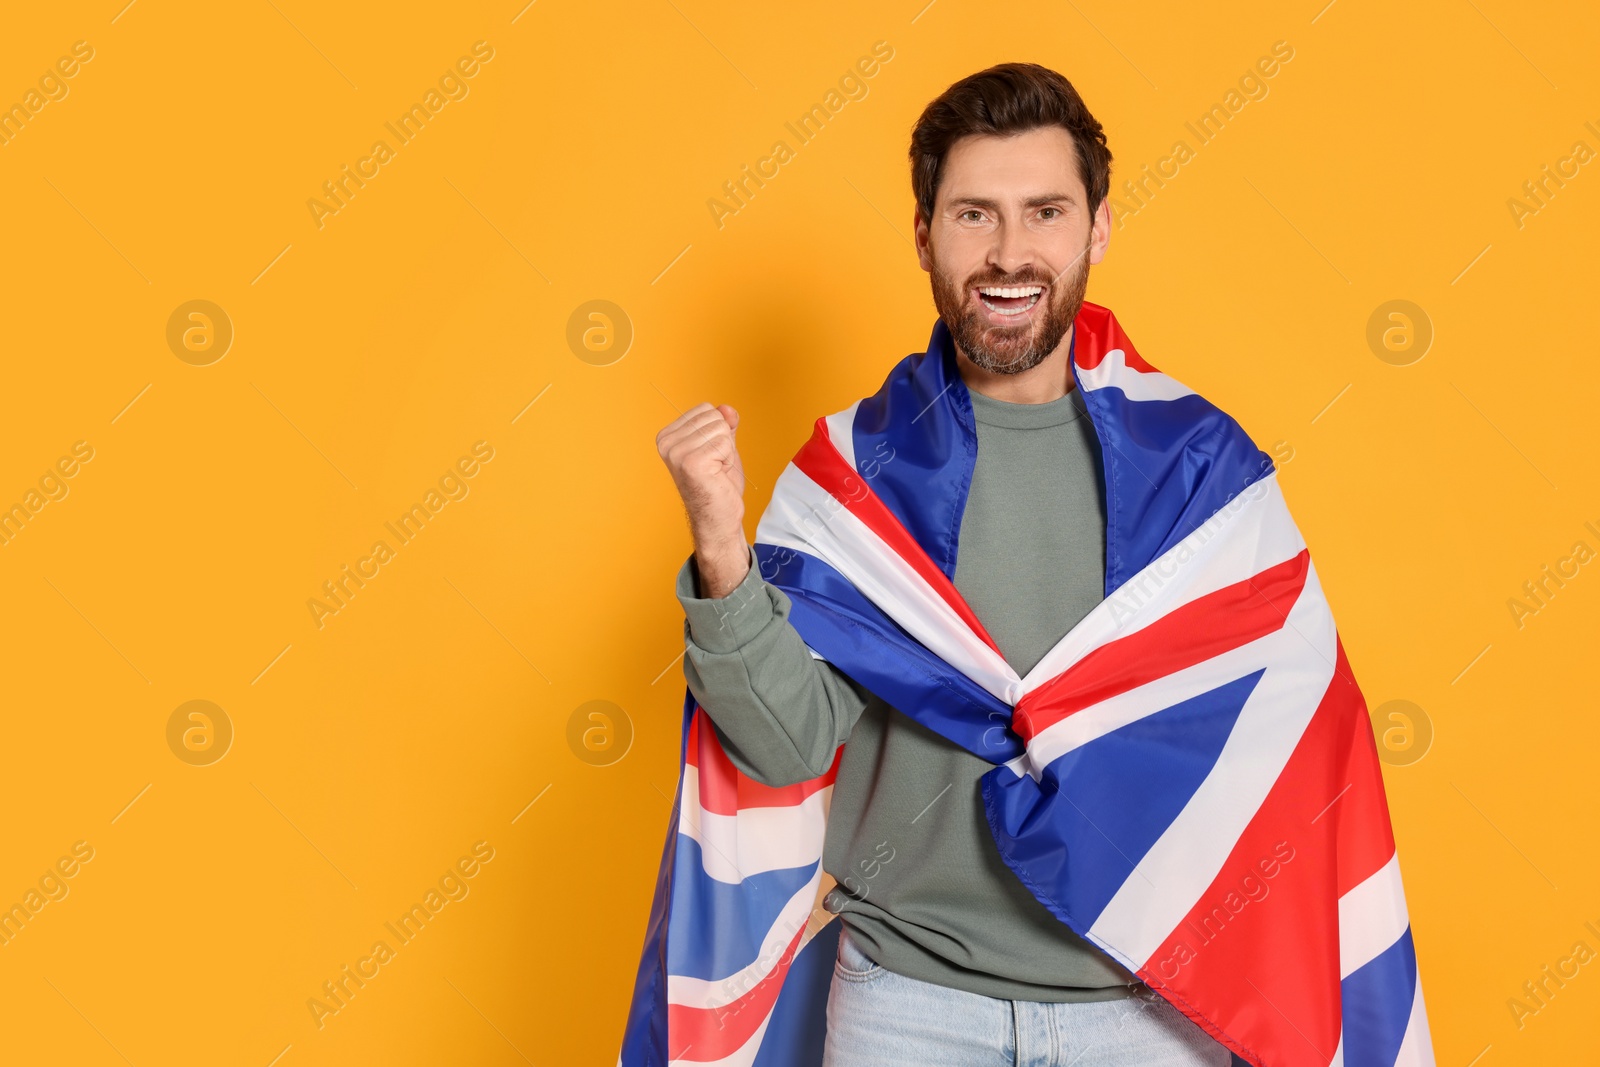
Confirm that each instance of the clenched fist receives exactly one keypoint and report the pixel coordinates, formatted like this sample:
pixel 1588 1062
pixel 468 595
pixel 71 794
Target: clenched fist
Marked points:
pixel 699 450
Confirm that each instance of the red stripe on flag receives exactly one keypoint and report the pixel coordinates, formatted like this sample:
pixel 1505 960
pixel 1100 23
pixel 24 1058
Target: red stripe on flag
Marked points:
pixel 1096 332
pixel 1197 631
pixel 820 461
pixel 1257 957
pixel 1365 834
pixel 701 1034
pixel 725 790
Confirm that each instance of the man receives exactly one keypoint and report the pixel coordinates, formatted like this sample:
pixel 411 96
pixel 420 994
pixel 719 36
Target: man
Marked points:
pixel 945 956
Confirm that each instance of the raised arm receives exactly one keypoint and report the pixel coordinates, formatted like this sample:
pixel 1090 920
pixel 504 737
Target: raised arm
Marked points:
pixel 779 712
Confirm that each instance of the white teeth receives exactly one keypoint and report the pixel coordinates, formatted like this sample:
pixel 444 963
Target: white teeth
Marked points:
pixel 1023 310
pixel 1012 291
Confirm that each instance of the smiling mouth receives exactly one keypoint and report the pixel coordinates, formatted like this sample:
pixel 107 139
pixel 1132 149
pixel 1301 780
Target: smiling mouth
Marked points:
pixel 1009 301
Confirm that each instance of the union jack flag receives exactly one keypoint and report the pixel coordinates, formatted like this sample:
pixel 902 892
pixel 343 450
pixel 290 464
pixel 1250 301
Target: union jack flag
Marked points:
pixel 1188 779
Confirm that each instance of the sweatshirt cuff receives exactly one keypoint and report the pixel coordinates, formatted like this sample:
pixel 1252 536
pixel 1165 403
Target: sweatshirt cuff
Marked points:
pixel 724 624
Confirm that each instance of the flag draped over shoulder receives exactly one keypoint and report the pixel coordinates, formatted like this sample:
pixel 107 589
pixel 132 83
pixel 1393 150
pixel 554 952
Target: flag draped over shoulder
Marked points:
pixel 1188 779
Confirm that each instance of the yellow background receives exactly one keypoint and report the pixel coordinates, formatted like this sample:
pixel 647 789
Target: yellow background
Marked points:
pixel 370 353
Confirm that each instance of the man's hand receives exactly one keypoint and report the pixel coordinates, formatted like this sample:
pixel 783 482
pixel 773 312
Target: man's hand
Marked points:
pixel 698 448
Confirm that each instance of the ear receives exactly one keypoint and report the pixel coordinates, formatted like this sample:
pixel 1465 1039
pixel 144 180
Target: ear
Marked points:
pixel 1100 233
pixel 919 226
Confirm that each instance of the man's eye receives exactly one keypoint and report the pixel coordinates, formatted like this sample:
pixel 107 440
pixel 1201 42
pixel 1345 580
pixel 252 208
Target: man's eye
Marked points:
pixel 971 211
pixel 1055 210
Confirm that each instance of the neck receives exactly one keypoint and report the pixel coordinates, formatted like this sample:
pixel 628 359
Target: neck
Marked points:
pixel 1051 379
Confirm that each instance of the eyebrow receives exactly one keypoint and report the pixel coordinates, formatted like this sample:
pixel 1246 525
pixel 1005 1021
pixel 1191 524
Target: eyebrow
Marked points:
pixel 1032 201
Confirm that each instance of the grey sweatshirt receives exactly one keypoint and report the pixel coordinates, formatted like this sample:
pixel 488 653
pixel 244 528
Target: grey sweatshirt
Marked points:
pixel 921 883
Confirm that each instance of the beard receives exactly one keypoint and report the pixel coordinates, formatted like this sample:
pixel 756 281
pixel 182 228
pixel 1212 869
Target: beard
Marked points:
pixel 1012 349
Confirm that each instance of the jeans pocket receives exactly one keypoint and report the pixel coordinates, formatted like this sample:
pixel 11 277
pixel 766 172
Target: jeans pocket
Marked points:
pixel 852 964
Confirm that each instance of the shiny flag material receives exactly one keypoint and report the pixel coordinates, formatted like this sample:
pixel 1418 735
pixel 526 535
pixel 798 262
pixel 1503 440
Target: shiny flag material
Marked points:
pixel 1188 779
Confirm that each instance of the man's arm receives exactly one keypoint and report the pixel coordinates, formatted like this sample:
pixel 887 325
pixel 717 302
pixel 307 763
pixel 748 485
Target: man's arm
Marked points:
pixel 779 712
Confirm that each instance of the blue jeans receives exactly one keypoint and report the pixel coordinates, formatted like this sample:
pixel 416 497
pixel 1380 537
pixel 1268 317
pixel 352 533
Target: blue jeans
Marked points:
pixel 877 1018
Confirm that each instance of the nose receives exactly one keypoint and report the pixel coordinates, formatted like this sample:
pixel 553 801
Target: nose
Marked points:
pixel 1011 252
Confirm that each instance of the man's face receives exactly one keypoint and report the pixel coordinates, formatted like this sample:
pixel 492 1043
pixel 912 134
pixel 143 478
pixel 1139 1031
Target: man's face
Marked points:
pixel 1011 215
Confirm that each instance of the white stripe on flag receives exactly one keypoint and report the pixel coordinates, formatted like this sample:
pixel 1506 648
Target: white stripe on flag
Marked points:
pixel 1372 916
pixel 805 517
pixel 1180 866
pixel 1115 712
pixel 1416 1048
pixel 715 993
pixel 734 847
pixel 842 432
pixel 1244 537
pixel 1114 371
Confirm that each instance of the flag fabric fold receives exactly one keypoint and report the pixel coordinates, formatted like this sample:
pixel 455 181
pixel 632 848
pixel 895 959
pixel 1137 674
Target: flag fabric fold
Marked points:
pixel 1188 779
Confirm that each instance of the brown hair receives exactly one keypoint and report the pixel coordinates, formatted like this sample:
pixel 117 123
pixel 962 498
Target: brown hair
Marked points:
pixel 1006 99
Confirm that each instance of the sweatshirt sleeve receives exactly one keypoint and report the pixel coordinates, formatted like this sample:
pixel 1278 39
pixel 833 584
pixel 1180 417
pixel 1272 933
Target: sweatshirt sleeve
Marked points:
pixel 779 712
